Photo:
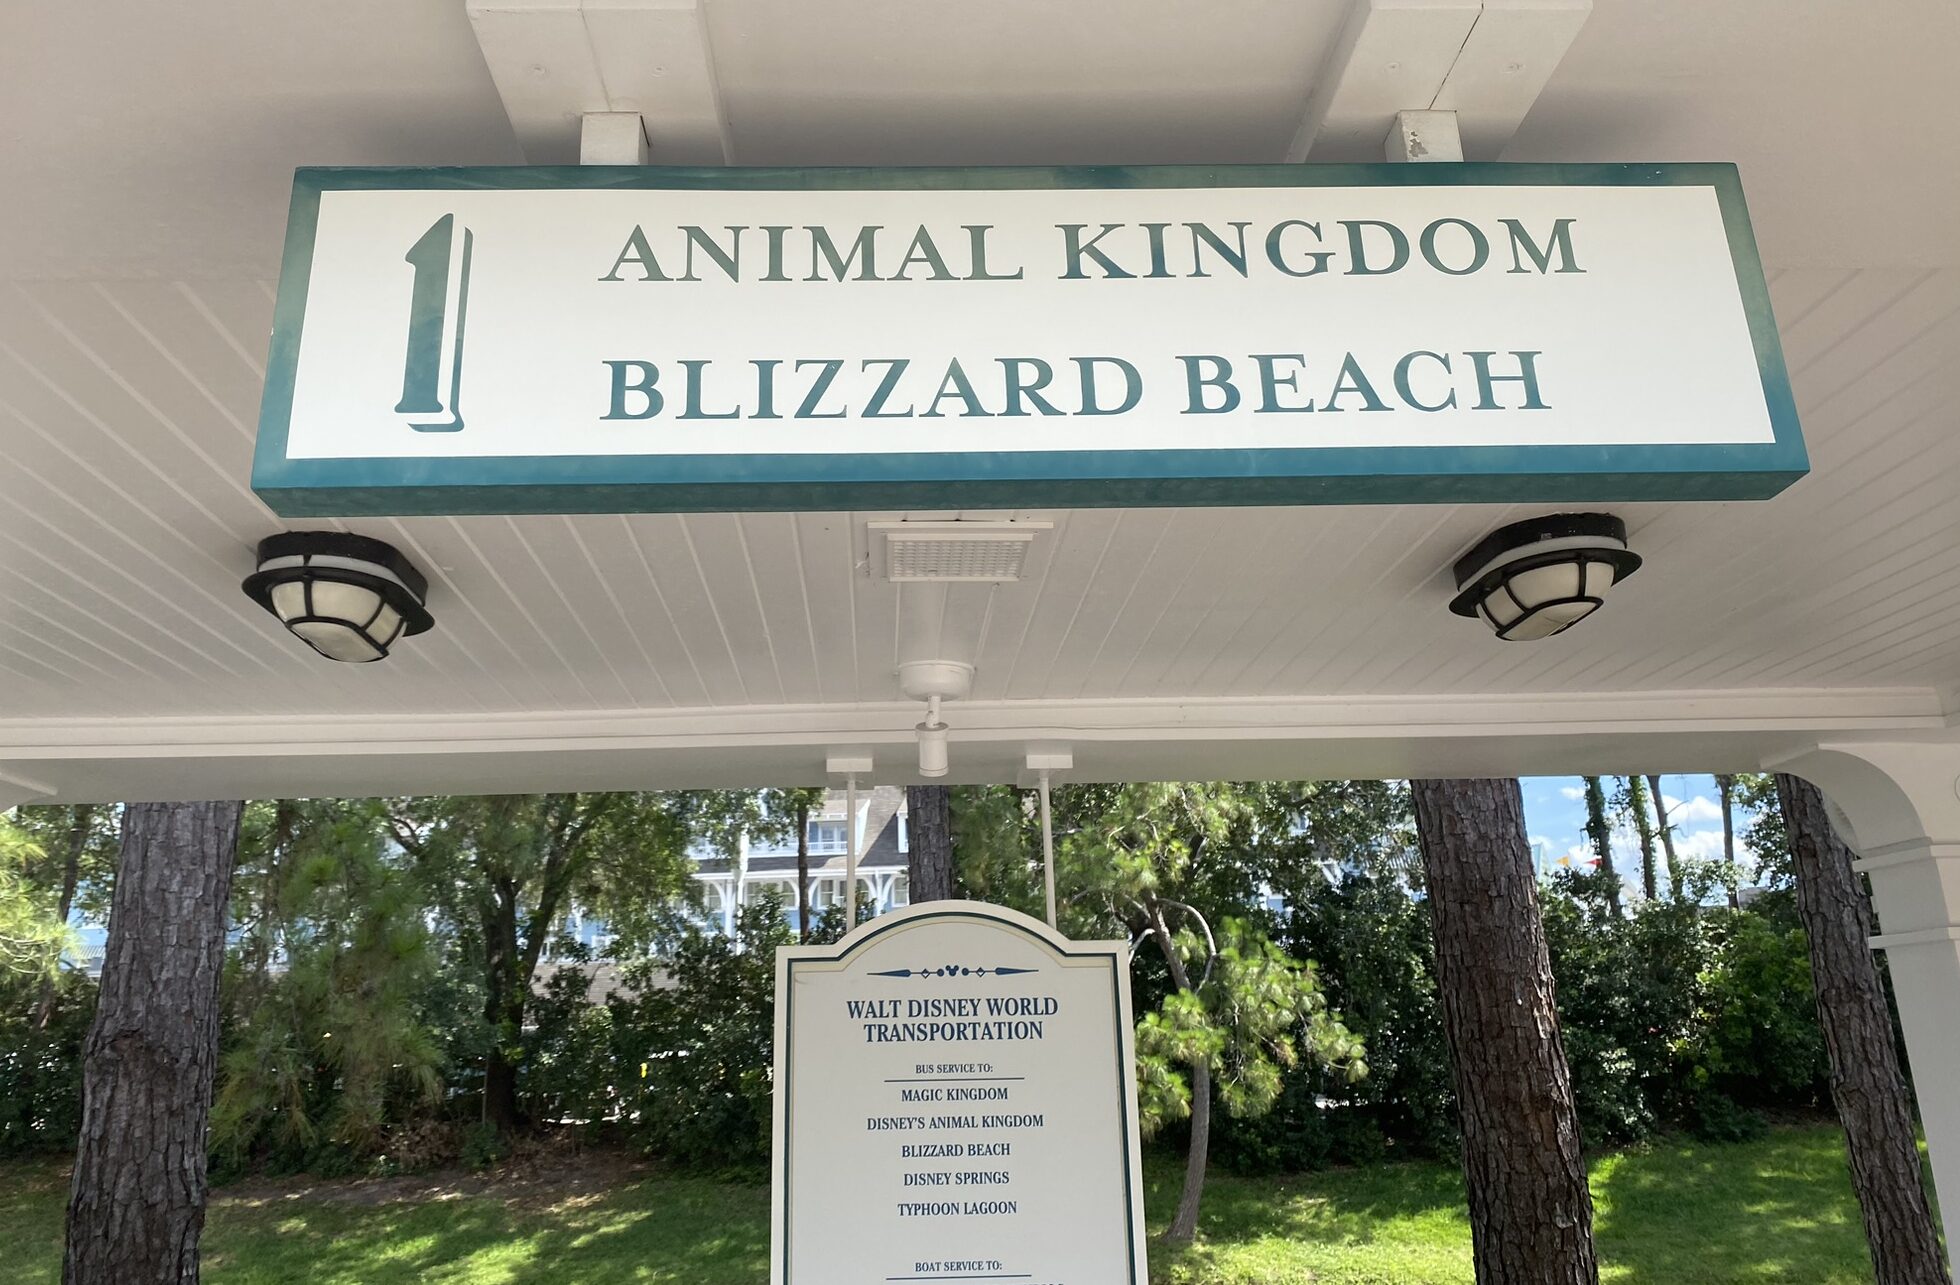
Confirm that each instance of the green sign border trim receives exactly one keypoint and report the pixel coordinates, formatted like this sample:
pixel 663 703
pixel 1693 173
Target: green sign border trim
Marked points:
pixel 1124 1057
pixel 1020 479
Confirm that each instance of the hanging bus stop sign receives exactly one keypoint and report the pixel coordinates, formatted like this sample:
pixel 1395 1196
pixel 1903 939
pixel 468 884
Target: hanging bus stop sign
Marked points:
pixel 645 339
pixel 954 1103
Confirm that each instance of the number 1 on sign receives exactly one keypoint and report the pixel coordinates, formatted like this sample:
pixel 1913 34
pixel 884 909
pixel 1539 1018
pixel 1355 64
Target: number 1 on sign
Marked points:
pixel 432 365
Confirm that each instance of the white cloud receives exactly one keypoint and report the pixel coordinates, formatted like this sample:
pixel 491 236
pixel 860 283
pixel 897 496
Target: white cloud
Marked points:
pixel 1573 793
pixel 1699 808
pixel 1701 843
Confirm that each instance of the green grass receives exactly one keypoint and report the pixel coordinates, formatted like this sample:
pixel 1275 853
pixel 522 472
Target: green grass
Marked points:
pixel 1678 1213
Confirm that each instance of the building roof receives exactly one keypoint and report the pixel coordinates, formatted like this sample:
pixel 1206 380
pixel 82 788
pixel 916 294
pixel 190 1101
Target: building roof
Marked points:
pixel 882 808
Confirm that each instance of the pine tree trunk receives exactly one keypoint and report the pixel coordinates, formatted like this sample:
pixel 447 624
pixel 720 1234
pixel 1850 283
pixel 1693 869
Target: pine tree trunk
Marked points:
pixel 1600 831
pixel 930 810
pixel 136 1205
pixel 1675 889
pixel 1530 1210
pixel 1197 1155
pixel 1725 786
pixel 1866 1084
pixel 503 1012
pixel 1643 825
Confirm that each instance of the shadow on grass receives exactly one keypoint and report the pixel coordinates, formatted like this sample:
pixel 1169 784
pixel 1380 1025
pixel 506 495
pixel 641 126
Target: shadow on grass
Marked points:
pixel 1314 1226
pixel 33 1199
pixel 1777 1209
pixel 1676 1213
pixel 657 1229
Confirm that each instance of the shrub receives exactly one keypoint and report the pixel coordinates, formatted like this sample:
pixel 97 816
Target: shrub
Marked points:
pixel 41 1066
pixel 695 1042
pixel 1759 1042
pixel 483 1146
pixel 569 1071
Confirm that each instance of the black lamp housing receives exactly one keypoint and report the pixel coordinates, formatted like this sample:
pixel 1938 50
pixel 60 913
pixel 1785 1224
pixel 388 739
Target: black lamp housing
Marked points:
pixel 1540 577
pixel 348 597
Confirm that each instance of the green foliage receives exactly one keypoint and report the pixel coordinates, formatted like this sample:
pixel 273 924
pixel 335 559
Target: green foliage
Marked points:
pixel 1370 932
pixel 695 1042
pixel 32 935
pixel 387 954
pixel 333 1050
pixel 1678 1005
pixel 83 840
pixel 568 1070
pixel 41 1062
pixel 483 1147
pixel 1758 1041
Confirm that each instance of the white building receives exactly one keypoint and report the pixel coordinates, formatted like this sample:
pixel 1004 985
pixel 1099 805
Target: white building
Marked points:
pixel 769 866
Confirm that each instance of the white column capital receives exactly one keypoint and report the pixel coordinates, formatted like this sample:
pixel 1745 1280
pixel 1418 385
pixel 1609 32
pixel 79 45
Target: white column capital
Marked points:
pixel 1894 793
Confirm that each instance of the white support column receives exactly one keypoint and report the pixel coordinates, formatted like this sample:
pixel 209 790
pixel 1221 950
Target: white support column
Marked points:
pixel 612 138
pixel 1902 802
pixel 1039 763
pixel 1424 136
pixel 850 852
pixel 850 766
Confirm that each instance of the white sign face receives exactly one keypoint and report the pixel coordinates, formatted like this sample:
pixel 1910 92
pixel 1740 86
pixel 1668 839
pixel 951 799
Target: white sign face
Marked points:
pixel 955 1103
pixel 537 339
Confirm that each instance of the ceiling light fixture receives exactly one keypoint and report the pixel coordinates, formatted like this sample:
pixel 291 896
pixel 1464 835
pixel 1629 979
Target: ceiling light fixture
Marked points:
pixel 347 597
pixel 1533 579
pixel 932 741
pixel 934 681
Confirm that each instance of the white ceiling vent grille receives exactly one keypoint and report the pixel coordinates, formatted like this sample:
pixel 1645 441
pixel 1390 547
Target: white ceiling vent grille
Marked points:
pixel 955 552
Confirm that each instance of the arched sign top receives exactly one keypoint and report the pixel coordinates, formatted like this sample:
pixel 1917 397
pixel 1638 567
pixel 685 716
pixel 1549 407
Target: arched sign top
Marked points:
pixel 955 1102
pixel 647 339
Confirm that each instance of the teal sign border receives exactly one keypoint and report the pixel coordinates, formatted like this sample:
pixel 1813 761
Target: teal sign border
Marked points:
pixel 1020 479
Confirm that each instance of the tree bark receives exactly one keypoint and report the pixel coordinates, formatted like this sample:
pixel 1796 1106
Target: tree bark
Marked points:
pixel 1530 1210
pixel 136 1205
pixel 1725 786
pixel 1674 884
pixel 503 1011
pixel 1643 825
pixel 1184 1225
pixel 1866 1084
pixel 930 822
pixel 1600 831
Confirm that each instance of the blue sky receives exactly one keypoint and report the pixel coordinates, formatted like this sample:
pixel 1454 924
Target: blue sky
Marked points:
pixel 1555 816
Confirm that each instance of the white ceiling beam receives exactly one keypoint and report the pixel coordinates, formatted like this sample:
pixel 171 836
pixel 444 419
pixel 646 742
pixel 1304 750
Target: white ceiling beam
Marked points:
pixel 21 789
pixel 1509 734
pixel 1391 56
pixel 1486 60
pixel 1503 67
pixel 555 62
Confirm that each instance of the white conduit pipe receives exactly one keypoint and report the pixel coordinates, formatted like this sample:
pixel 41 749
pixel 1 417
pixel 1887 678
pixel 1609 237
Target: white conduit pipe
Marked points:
pixel 850 852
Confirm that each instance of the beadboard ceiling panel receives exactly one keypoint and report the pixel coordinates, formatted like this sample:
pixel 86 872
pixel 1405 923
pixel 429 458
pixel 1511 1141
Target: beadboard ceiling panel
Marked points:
pixel 135 300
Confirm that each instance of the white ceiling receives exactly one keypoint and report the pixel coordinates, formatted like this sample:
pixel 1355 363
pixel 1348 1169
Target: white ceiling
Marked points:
pixel 149 151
